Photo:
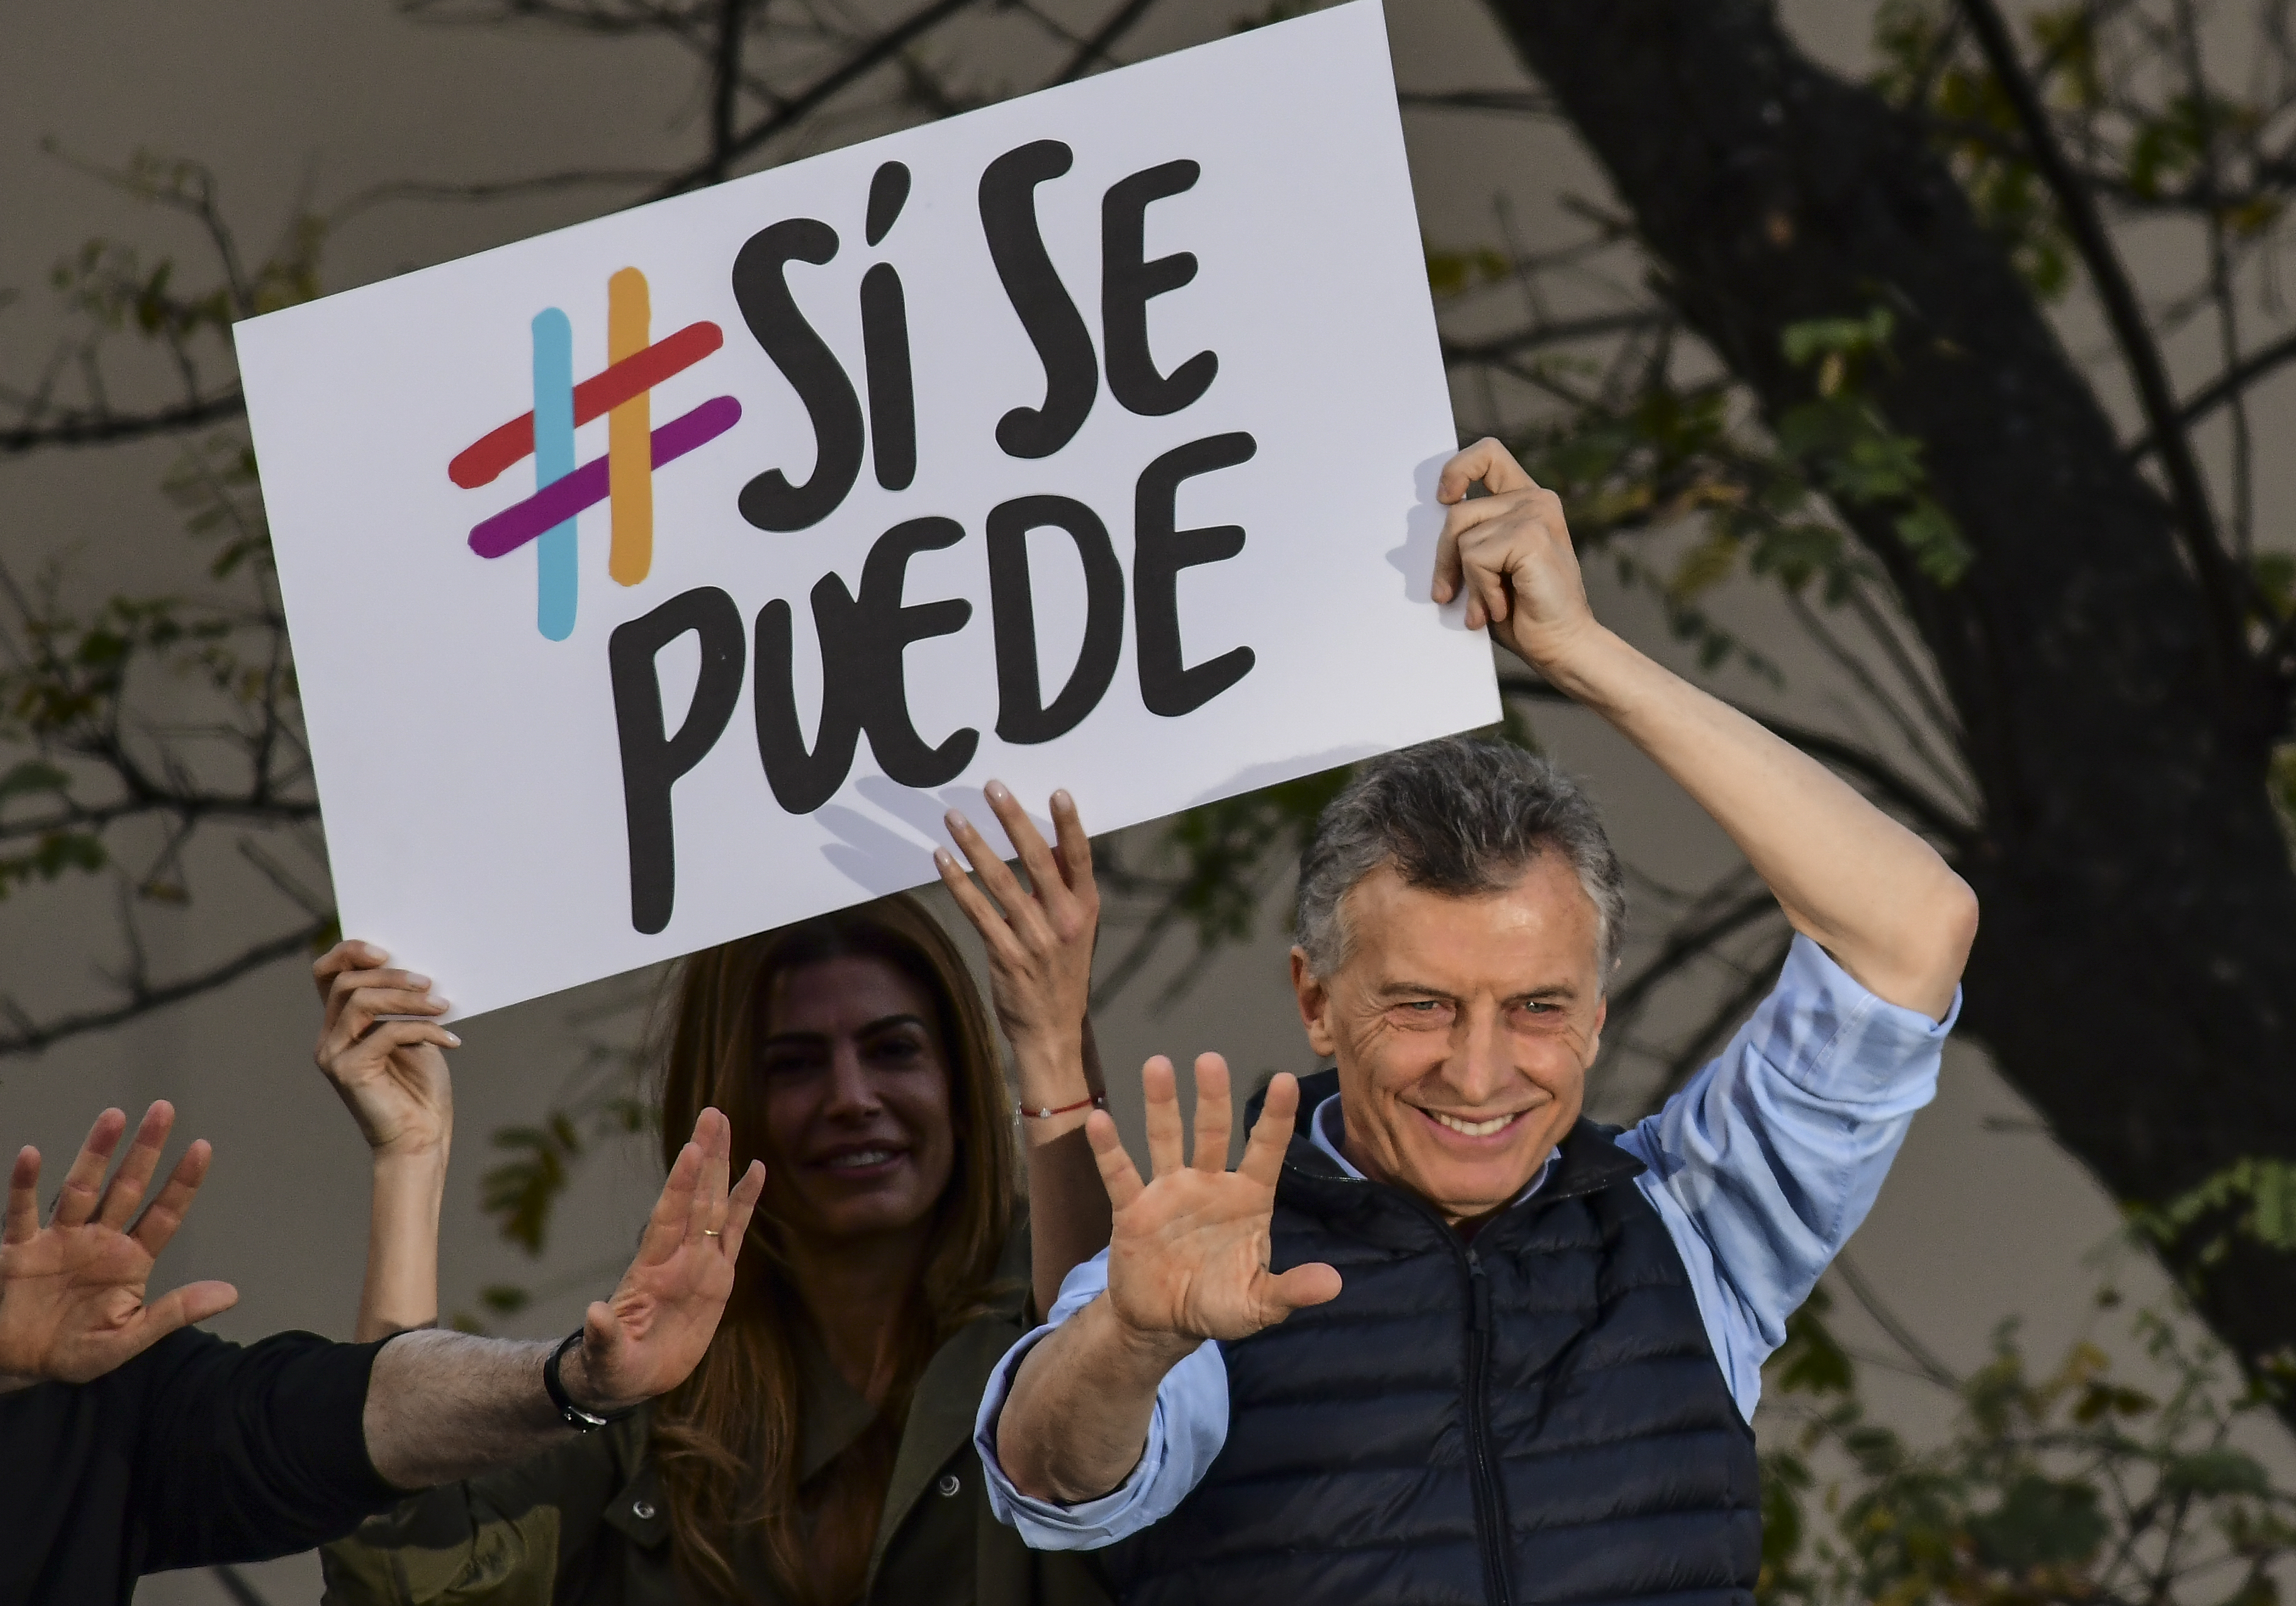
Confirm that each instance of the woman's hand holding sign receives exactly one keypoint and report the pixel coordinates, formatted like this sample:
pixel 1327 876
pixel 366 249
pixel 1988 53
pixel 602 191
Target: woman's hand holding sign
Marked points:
pixel 385 1056
pixel 71 1293
pixel 384 1059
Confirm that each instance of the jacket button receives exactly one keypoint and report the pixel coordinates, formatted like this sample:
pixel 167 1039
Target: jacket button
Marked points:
pixel 643 1509
pixel 948 1483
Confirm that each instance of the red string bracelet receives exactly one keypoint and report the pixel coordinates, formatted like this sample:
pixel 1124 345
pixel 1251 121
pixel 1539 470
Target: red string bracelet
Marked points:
pixel 1098 1100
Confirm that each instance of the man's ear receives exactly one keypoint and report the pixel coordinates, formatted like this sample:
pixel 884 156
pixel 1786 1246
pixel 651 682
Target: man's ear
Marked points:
pixel 1594 1042
pixel 1314 1006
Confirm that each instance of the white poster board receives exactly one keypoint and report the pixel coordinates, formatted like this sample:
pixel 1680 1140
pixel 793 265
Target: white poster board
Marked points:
pixel 1086 441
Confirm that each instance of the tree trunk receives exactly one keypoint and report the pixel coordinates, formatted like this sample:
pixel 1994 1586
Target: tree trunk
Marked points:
pixel 2136 973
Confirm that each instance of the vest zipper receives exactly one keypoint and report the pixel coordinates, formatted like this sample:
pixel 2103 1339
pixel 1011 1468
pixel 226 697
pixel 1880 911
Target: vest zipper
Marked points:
pixel 1490 1521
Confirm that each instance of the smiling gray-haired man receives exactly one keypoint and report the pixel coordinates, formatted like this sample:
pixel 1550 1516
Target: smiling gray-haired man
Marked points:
pixel 1454 1343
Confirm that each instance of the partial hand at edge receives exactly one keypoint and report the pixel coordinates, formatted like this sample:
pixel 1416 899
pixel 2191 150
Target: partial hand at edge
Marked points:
pixel 71 1293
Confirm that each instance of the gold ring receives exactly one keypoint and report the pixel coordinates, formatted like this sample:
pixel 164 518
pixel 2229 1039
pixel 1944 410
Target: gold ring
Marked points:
pixel 711 1232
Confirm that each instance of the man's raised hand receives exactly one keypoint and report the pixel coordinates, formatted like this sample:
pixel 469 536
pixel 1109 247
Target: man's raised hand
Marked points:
pixel 1188 1255
pixel 649 1335
pixel 71 1293
pixel 1510 552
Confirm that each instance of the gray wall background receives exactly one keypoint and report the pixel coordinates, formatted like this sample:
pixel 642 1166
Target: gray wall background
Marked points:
pixel 286 99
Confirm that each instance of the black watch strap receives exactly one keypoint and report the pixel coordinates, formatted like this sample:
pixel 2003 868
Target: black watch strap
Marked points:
pixel 573 1415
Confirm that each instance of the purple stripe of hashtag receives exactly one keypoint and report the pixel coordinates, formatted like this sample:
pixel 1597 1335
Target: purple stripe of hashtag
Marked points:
pixel 587 485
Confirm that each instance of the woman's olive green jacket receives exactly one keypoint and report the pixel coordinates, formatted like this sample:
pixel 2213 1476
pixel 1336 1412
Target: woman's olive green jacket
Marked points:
pixel 583 1525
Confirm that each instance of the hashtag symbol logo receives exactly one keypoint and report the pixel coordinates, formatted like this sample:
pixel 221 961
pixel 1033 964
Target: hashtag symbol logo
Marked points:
pixel 621 393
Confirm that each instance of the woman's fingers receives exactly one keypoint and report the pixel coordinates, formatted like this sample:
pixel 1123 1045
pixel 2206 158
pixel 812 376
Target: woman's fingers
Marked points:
pixel 1074 847
pixel 1161 1089
pixel 382 992
pixel 1214 1114
pixel 995 873
pixel 1045 877
pixel 1118 1174
pixel 83 1188
pixel 350 955
pixel 393 1035
pixel 134 1173
pixel 985 917
pixel 369 1005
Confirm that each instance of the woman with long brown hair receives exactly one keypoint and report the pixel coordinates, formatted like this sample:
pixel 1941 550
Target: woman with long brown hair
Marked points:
pixel 821 1454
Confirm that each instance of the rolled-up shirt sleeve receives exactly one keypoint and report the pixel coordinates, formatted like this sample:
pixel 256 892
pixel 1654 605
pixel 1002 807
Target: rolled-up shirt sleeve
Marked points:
pixel 1771 1157
pixel 1185 1432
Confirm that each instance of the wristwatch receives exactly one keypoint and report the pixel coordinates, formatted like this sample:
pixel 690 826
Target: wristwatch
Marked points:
pixel 573 1415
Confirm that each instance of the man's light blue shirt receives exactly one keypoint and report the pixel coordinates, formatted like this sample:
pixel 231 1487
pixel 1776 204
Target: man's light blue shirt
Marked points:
pixel 1761 1168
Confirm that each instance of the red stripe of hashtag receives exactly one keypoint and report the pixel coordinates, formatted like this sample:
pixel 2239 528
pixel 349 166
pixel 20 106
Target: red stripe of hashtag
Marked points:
pixel 487 456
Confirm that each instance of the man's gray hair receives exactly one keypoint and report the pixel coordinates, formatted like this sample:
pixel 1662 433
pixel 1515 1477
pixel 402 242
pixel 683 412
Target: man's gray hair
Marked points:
pixel 1459 816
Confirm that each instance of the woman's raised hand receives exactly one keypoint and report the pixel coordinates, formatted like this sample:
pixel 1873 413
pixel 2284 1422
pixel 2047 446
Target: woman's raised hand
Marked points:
pixel 391 1073
pixel 1039 936
pixel 1188 1257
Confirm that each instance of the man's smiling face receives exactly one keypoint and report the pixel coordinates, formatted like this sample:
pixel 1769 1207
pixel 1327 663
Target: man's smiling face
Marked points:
pixel 1463 1029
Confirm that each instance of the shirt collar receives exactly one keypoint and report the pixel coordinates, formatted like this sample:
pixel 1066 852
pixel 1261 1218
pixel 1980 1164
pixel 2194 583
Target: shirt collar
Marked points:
pixel 1323 1127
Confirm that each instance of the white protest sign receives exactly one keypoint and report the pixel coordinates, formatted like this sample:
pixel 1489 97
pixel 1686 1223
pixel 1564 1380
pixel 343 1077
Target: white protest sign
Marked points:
pixel 666 577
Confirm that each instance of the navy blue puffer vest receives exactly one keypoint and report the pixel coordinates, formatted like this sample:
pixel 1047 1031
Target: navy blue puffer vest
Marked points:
pixel 1535 1416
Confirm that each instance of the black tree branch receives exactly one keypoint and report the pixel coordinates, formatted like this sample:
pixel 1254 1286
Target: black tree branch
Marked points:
pixel 1096 48
pixel 104 428
pixel 875 53
pixel 2077 207
pixel 30 1036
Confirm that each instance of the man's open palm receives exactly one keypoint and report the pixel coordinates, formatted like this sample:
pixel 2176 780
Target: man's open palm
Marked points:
pixel 1188 1252
pixel 650 1335
pixel 71 1293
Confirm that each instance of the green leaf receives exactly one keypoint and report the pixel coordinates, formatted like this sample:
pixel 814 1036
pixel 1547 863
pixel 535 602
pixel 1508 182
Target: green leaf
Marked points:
pixel 2217 1472
pixel 1930 534
pixel 33 775
pixel 1812 1360
pixel 505 1298
pixel 1817 338
pixel 2041 1523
